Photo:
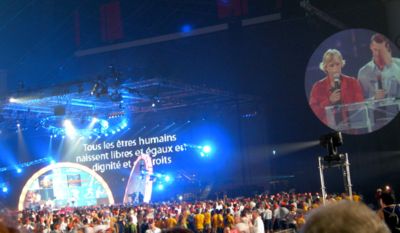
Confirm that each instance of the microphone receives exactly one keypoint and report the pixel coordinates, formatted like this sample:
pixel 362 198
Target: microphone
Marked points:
pixel 379 81
pixel 337 82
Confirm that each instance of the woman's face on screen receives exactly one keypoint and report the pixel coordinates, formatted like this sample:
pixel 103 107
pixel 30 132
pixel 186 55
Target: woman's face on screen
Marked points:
pixel 334 66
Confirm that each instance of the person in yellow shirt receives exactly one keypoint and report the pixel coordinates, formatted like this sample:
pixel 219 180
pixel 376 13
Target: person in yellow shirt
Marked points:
pixel 199 221
pixel 229 219
pixel 207 221
pixel 214 221
pixel 171 221
pixel 220 222
pixel 356 197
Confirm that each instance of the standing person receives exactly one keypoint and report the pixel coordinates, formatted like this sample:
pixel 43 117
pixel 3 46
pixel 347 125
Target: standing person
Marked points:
pixel 390 211
pixel 199 221
pixel 380 77
pixel 152 227
pixel 258 225
pixel 267 217
pixel 335 88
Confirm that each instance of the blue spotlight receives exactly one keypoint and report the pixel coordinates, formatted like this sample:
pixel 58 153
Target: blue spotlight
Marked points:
pixel 94 120
pixel 104 124
pixel 69 128
pixel 186 28
pixel 160 187
pixel 167 178
pixel 158 175
pixel 19 170
pixel 5 189
pixel 207 149
pixel 52 161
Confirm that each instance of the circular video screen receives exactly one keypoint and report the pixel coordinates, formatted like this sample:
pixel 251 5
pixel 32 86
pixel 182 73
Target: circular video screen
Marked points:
pixel 63 185
pixel 352 81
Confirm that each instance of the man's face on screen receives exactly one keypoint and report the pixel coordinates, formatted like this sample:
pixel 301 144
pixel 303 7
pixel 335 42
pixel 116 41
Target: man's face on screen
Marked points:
pixel 378 50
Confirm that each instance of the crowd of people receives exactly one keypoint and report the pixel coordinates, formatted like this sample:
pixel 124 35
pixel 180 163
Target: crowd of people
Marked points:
pixel 259 214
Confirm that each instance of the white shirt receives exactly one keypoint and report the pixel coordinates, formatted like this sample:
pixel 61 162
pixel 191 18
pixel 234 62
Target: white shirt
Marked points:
pixel 258 226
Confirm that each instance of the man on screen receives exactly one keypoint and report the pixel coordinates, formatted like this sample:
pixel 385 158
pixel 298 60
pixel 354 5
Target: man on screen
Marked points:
pixel 335 89
pixel 380 78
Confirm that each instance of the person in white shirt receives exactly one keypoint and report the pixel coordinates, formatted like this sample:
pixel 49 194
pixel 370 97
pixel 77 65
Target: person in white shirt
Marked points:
pixel 258 225
pixel 152 227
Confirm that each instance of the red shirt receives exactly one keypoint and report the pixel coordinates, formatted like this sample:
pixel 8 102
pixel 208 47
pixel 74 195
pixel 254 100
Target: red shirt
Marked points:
pixel 351 92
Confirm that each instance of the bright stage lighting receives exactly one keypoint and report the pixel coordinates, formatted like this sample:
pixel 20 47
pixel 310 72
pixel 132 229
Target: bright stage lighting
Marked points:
pixel 186 28
pixel 12 100
pixel 95 120
pixel 167 178
pixel 207 149
pixel 19 170
pixel 180 197
pixel 160 187
pixel 5 189
pixel 104 124
pixel 69 128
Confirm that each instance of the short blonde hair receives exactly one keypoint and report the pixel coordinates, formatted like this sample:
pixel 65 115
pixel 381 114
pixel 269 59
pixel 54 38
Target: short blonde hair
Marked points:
pixel 328 57
pixel 344 217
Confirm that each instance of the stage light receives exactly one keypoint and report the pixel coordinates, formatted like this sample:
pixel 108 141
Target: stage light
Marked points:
pixel 104 124
pixel 167 178
pixel 106 134
pixel 18 125
pixel 158 175
pixel 180 197
pixel 5 189
pixel 94 120
pixel 153 105
pixel 207 149
pixel 274 152
pixel 12 100
pixel 160 187
pixel 186 28
pixel 19 170
pixel 69 128
pixel 331 142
